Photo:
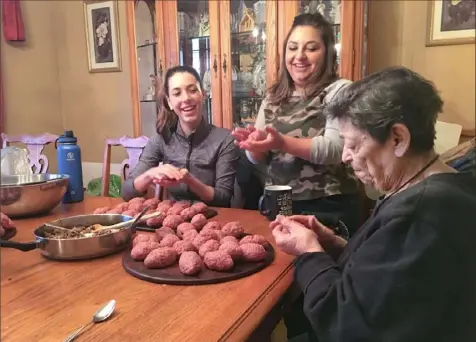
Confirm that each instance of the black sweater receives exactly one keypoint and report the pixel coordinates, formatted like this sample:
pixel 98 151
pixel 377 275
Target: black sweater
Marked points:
pixel 408 275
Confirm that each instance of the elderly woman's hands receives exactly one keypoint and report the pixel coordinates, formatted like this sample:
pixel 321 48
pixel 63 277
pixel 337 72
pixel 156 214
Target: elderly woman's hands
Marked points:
pixel 292 237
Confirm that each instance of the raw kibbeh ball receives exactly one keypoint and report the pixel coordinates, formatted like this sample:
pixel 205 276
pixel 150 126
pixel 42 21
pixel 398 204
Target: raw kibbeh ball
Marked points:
pixel 137 200
pixel 140 251
pixel 144 238
pixel 101 210
pixel 189 235
pixel 259 239
pixel 155 221
pixel 218 261
pixel 199 240
pixel 174 210
pixel 229 238
pixel 199 221
pixel 172 221
pixel 160 258
pixel 168 202
pixel 152 203
pixel 209 234
pixel 114 211
pixel 234 228
pixel 169 240
pixel 163 231
pixel 183 227
pixel 136 207
pixel 190 263
pixel 183 246
pixel 212 225
pixel 209 246
pixel 253 252
pixel 188 213
pixel 233 249
pixel 200 207
pixel 130 213
pixel 122 206
pixel 163 208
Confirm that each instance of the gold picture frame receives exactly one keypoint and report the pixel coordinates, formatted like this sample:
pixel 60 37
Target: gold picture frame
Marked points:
pixel 101 21
pixel 450 22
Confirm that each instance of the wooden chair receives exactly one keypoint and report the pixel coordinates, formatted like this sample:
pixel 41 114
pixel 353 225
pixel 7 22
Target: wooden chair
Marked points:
pixel 134 148
pixel 35 145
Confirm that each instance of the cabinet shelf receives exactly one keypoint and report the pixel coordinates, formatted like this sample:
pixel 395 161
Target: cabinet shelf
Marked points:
pixel 146 101
pixel 146 45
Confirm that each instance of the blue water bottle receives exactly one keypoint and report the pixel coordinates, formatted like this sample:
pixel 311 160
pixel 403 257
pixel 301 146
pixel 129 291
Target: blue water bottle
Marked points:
pixel 69 163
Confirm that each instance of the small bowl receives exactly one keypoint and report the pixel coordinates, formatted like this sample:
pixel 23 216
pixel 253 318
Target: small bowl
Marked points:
pixel 29 195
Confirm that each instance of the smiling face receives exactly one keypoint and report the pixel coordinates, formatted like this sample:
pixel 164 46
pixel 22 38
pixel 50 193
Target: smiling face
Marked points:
pixel 305 55
pixel 185 98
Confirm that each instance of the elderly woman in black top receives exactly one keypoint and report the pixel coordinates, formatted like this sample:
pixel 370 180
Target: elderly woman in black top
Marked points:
pixel 199 159
pixel 408 273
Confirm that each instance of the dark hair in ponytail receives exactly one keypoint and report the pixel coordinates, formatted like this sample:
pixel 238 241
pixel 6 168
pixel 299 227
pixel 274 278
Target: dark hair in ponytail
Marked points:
pixel 166 117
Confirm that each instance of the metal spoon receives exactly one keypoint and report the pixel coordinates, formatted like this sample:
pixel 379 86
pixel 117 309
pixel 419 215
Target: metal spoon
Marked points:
pixel 101 315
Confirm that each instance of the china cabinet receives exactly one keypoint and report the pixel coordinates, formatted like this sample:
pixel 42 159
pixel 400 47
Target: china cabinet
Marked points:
pixel 235 46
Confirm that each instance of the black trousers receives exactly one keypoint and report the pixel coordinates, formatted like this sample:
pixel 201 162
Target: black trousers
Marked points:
pixel 329 211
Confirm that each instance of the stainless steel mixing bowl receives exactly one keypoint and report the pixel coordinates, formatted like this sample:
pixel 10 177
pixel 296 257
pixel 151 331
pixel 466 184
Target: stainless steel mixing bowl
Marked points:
pixel 28 195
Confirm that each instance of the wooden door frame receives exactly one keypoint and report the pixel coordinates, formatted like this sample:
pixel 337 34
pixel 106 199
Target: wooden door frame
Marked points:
pixel 160 48
pixel 272 45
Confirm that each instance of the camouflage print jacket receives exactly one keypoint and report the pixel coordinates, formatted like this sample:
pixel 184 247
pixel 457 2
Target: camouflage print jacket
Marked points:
pixel 305 119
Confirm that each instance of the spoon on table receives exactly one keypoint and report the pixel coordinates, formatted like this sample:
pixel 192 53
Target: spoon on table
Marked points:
pixel 101 315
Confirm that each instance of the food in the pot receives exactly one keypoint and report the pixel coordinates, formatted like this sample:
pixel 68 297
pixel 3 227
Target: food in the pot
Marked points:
pixel 183 227
pixel 160 258
pixel 190 263
pixel 200 207
pixel 213 225
pixel 152 203
pixel 163 231
pixel 155 221
pixel 101 210
pixel 144 238
pixel 140 251
pixel 209 246
pixel 209 234
pixel 183 246
pixel 188 213
pixel 259 239
pixel 253 252
pixel 218 261
pixel 189 235
pixel 169 240
pixel 74 233
pixel 172 221
pixel 234 228
pixel 199 240
pixel 199 221
pixel 229 238
pixel 233 249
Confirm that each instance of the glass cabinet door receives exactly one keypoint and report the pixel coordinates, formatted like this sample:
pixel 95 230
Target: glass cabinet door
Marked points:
pixel 147 63
pixel 331 10
pixel 194 43
pixel 247 63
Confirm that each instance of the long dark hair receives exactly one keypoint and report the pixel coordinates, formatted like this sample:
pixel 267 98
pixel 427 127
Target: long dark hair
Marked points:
pixel 166 117
pixel 283 88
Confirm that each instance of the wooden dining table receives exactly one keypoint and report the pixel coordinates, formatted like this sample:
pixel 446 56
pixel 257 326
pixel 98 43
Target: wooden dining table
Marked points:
pixel 45 300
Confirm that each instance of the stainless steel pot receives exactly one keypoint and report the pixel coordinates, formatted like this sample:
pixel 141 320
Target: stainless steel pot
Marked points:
pixel 82 248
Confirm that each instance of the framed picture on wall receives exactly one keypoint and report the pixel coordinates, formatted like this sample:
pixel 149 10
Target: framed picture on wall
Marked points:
pixel 451 22
pixel 102 36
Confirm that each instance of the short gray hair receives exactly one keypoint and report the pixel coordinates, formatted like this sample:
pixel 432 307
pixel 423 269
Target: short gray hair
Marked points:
pixel 394 95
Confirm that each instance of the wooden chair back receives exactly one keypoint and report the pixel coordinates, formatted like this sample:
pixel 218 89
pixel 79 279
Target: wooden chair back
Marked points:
pixel 134 148
pixel 34 145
